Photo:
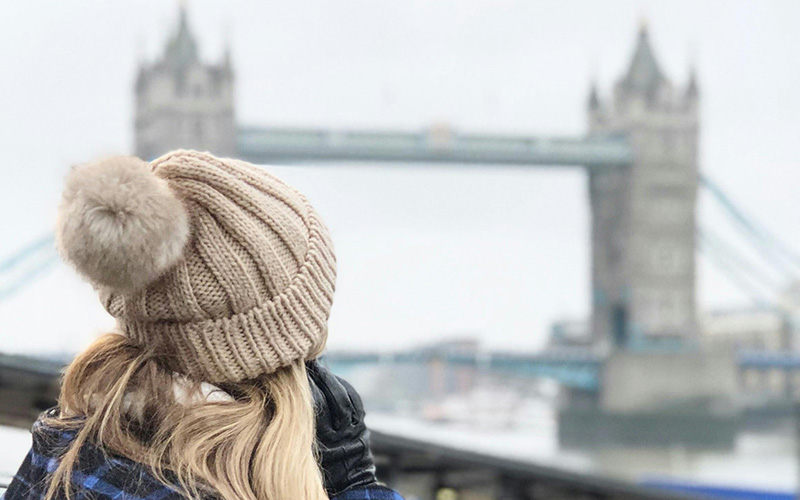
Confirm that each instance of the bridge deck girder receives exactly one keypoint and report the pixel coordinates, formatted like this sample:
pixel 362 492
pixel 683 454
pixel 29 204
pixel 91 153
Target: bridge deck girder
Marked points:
pixel 282 145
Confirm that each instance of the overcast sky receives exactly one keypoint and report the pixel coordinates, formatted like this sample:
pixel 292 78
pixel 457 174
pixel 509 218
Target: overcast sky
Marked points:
pixel 425 252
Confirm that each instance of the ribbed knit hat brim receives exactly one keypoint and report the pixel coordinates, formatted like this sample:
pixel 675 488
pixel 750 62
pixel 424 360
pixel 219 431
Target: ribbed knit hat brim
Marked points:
pixel 273 334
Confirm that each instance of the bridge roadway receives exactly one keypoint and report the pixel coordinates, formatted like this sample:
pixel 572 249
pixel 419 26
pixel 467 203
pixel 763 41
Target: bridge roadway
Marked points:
pixel 28 385
pixel 436 145
pixel 414 467
pixel 572 367
pixel 578 368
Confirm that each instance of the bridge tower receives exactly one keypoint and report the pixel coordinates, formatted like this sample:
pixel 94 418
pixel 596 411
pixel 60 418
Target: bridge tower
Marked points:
pixel 182 102
pixel 643 215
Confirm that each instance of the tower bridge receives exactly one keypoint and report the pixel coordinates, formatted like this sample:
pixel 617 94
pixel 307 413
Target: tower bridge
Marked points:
pixel 640 155
pixel 29 384
pixel 641 163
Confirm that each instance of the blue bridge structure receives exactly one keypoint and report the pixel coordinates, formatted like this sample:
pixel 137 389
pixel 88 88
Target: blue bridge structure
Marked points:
pixel 577 368
pixel 438 145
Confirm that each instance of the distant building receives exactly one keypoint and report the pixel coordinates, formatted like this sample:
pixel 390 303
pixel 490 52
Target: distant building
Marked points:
pixel 643 216
pixel 182 102
pixel 570 333
pixel 756 329
pixel 762 330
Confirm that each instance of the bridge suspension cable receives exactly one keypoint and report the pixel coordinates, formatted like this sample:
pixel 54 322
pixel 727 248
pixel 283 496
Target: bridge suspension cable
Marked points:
pixel 734 270
pixel 726 255
pixel 775 252
pixel 26 265
pixel 764 290
pixel 29 250
pixel 27 277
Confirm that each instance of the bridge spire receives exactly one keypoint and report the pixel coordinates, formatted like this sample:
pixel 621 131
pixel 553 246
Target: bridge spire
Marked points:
pixel 593 103
pixel 692 90
pixel 181 51
pixel 594 97
pixel 644 76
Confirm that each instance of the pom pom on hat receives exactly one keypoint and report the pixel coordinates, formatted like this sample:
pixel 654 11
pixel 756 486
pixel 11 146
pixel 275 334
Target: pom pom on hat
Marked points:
pixel 119 224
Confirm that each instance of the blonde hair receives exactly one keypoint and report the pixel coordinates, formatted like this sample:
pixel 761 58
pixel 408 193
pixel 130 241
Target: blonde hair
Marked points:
pixel 259 445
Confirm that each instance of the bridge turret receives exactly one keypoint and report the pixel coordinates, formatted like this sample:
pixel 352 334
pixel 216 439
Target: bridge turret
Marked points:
pixel 644 86
pixel 643 215
pixel 181 50
pixel 594 107
pixel 182 102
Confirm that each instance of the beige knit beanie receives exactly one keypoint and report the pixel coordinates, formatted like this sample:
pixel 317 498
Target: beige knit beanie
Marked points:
pixel 221 266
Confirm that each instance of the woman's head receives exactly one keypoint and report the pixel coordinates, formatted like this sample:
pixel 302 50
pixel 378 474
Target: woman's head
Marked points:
pixel 225 268
pixel 216 272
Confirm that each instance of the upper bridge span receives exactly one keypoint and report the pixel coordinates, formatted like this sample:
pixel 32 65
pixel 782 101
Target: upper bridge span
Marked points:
pixel 296 145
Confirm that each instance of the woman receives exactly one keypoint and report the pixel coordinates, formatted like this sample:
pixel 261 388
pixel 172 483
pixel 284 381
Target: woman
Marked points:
pixel 221 279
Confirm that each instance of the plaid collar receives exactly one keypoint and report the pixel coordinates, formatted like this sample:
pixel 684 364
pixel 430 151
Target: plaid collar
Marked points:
pixel 99 475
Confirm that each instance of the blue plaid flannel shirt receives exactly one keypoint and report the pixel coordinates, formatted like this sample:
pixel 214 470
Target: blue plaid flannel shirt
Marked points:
pixel 100 476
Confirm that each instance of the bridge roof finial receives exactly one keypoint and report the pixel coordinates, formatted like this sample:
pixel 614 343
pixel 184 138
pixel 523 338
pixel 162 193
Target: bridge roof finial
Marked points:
pixel 643 24
pixel 594 96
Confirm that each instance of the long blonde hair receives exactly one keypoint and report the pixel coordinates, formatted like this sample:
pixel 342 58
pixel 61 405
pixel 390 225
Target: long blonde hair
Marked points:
pixel 258 445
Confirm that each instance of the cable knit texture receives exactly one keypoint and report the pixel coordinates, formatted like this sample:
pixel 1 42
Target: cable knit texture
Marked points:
pixel 251 291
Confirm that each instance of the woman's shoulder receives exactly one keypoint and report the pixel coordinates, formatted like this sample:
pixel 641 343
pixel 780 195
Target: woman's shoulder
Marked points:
pixel 101 475
pixel 97 474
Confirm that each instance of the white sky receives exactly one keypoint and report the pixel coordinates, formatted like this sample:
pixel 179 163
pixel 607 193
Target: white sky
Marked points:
pixel 424 252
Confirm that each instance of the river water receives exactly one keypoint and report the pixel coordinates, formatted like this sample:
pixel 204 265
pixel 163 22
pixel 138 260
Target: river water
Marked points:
pixel 763 461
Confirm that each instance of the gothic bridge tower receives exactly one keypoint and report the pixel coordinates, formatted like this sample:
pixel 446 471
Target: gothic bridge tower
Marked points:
pixel 643 215
pixel 182 102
